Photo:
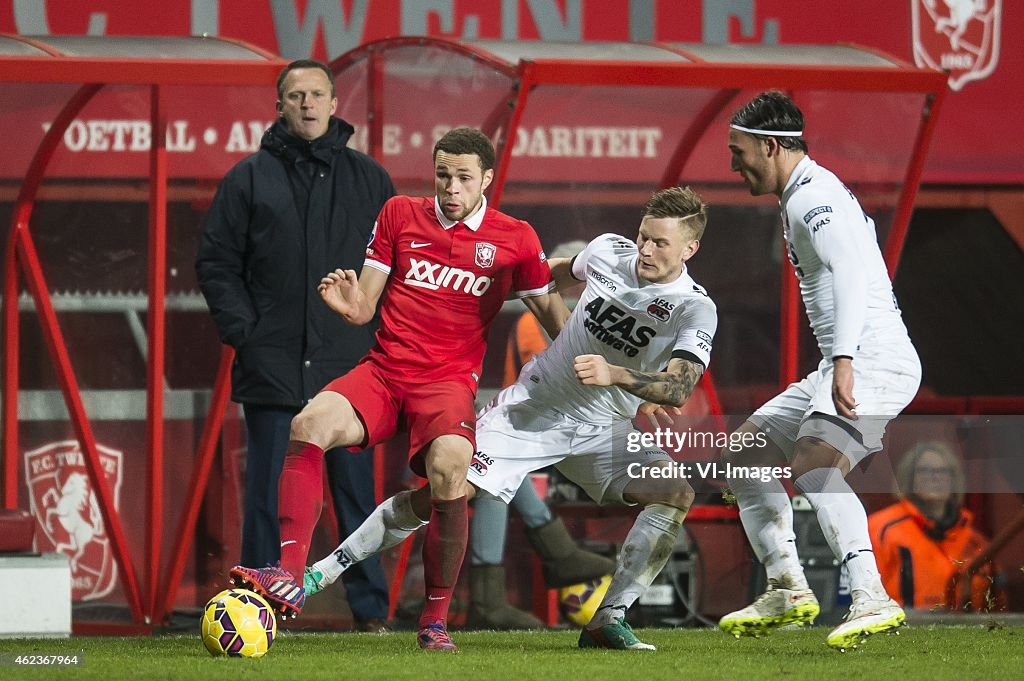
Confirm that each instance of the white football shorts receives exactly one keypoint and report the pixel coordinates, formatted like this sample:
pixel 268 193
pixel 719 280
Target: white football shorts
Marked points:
pixel 884 382
pixel 515 437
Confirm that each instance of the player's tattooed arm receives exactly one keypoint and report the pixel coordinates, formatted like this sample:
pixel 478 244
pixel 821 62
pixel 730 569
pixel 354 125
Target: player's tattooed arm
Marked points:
pixel 670 387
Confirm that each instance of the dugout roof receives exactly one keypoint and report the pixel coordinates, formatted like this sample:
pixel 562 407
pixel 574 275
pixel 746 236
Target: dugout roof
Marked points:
pixel 129 59
pixel 642 113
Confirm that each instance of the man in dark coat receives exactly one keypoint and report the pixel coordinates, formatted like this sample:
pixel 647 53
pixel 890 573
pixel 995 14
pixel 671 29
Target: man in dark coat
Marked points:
pixel 304 204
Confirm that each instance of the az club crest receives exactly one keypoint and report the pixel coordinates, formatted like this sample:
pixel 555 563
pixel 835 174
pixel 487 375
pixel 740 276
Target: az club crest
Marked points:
pixel 68 514
pixel 480 463
pixel 959 36
pixel 485 254
pixel 658 312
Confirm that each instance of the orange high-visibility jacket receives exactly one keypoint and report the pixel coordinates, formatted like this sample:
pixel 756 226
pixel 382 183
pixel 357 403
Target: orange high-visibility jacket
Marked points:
pixel 526 340
pixel 916 566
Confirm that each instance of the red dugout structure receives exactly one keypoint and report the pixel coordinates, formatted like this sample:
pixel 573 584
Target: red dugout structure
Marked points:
pixel 65 74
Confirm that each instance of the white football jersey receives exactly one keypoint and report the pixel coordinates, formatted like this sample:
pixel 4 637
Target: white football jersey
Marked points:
pixel 633 324
pixel 843 280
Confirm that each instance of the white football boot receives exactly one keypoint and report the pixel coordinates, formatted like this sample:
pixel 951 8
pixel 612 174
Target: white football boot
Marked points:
pixel 867 616
pixel 776 607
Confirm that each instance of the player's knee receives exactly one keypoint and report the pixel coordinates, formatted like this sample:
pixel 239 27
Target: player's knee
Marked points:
pixel 729 456
pixel 663 488
pixel 310 427
pixel 733 455
pixel 449 452
pixel 748 445
pixel 449 484
pixel 810 453
pixel 447 459
pixel 447 468
pixel 680 496
pixel 304 427
pixel 739 457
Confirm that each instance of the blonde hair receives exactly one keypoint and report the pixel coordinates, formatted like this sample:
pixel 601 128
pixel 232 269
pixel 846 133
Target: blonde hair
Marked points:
pixel 908 463
pixel 682 203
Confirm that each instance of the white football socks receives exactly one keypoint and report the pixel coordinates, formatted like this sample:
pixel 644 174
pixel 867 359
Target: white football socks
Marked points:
pixel 845 526
pixel 767 517
pixel 647 548
pixel 388 526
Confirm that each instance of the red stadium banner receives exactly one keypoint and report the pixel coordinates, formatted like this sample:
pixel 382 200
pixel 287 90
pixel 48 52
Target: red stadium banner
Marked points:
pixel 973 39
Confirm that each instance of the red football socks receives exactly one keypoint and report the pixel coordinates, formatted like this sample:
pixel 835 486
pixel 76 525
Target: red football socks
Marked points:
pixel 300 499
pixel 443 551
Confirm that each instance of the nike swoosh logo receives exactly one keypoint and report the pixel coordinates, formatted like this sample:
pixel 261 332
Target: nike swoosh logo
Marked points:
pixel 290 541
pixel 435 598
pixel 416 245
pixel 466 425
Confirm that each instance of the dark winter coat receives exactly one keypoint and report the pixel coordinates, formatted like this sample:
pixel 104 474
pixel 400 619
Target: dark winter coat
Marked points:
pixel 281 219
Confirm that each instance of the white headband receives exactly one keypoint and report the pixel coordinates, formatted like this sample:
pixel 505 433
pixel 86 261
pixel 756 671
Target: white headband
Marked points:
pixel 769 133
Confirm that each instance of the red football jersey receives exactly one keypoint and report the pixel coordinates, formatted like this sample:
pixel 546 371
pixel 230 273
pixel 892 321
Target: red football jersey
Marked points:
pixel 447 282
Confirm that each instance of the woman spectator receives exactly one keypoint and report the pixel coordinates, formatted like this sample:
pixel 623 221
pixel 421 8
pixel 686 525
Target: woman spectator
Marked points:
pixel 927 536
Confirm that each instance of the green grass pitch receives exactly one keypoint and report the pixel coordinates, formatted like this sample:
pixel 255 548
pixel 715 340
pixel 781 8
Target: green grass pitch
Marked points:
pixel 925 652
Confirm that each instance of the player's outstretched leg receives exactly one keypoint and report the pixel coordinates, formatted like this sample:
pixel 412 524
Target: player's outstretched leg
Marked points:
pixel 300 500
pixel 327 421
pixel 389 525
pixel 646 550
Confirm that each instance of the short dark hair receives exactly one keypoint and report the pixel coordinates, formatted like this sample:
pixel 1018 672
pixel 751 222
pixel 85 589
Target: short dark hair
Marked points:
pixel 303 64
pixel 773 110
pixel 467 141
pixel 682 203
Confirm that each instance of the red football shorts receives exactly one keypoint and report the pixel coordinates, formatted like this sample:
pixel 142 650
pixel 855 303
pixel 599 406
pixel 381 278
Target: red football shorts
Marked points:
pixel 428 410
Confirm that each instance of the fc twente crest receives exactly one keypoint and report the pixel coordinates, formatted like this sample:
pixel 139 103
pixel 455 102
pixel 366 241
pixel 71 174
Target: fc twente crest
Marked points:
pixel 959 36
pixel 485 254
pixel 64 504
